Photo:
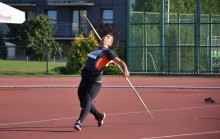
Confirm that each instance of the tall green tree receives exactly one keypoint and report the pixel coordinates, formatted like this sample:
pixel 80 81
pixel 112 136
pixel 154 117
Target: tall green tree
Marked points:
pixel 36 33
pixel 210 6
pixel 145 5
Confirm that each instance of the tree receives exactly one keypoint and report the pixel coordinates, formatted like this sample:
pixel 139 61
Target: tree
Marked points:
pixel 178 6
pixel 36 33
pixel 145 5
pixel 210 6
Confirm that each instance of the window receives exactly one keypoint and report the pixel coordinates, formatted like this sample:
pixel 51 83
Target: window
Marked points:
pixel 75 16
pixel 79 22
pixel 52 14
pixel 28 14
pixel 107 16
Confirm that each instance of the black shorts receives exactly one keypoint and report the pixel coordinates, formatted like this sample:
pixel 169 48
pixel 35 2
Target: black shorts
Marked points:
pixel 90 76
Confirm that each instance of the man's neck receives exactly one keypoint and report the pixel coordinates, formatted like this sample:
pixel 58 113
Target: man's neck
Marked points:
pixel 104 46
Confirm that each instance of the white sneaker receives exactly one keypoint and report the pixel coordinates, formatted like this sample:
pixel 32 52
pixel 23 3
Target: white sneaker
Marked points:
pixel 77 125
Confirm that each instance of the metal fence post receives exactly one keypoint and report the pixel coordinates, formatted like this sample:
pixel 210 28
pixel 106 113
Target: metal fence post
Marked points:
pixel 162 36
pixel 197 38
pixel 128 35
pixel 210 42
pixel 47 54
pixel 178 45
pixel 145 44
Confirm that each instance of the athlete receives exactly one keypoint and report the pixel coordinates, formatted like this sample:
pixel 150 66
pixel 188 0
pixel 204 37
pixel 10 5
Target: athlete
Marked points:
pixel 90 84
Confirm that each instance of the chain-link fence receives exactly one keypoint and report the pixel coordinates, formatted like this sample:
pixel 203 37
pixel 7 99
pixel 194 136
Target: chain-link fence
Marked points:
pixel 180 54
pixel 15 60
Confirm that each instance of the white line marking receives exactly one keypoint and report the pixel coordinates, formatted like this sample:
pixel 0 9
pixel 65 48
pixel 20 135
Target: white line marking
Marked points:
pixel 110 114
pixel 181 135
pixel 176 109
pixel 189 108
pixel 111 86
pixel 39 121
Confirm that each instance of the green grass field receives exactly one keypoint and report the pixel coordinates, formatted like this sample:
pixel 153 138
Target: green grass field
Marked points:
pixel 13 67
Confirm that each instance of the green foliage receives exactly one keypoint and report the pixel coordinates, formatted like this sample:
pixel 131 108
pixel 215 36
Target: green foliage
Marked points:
pixel 60 70
pixel 36 33
pixel 182 6
pixel 210 6
pixel 178 6
pixel 112 70
pixel 179 49
pixel 81 46
pixel 145 5
pixel 39 30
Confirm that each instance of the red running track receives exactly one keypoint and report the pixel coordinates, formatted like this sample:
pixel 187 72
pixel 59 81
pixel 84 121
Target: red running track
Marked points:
pixel 45 113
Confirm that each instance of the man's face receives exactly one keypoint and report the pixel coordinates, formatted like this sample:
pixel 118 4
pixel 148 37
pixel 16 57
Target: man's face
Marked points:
pixel 107 40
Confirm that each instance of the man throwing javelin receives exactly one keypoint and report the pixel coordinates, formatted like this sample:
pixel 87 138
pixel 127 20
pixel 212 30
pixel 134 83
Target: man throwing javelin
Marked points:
pixel 90 84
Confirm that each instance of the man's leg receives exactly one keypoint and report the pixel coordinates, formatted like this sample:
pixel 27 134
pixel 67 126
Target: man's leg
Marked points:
pixel 86 93
pixel 98 116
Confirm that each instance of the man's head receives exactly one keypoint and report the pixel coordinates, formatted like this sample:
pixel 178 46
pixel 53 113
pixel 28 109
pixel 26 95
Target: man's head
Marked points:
pixel 108 40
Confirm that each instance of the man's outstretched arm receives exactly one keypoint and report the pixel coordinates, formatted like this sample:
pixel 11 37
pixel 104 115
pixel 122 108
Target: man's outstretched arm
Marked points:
pixel 122 65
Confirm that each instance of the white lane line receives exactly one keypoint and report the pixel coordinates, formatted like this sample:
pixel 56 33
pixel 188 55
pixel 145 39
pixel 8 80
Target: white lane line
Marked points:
pixel 110 114
pixel 176 109
pixel 111 86
pixel 189 108
pixel 182 135
pixel 39 121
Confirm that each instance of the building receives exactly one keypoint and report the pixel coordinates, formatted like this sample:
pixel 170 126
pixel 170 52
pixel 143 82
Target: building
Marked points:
pixel 68 15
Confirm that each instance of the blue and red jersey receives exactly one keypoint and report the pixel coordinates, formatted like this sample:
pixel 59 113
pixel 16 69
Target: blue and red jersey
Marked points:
pixel 95 63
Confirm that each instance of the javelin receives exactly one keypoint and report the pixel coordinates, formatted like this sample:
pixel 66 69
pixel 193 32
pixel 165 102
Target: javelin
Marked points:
pixel 122 71
pixel 93 28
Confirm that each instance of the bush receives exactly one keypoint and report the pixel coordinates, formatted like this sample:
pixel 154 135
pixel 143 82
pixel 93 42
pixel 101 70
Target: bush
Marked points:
pixel 77 56
pixel 112 70
pixel 60 70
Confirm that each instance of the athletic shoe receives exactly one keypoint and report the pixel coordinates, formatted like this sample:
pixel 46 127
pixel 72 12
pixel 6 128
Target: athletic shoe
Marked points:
pixel 206 100
pixel 209 100
pixel 100 119
pixel 77 125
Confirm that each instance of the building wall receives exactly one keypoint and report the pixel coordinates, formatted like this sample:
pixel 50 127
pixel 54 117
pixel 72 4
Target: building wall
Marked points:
pixel 119 14
pixel 94 13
